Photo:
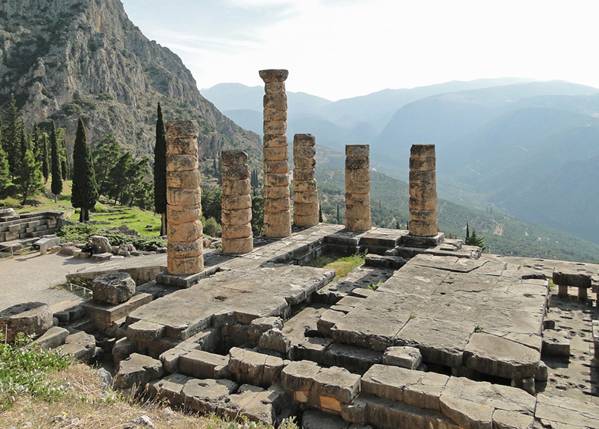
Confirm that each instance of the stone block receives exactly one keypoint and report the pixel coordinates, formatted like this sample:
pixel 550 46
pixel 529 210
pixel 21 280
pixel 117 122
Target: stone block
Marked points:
pixel 113 288
pixel 236 187
pixel 596 339
pixel 121 350
pixel 556 344
pixel 313 419
pixel 32 318
pixel 206 396
pixel 572 278
pixel 104 316
pixel 355 359
pixel 80 346
pixel 250 367
pixel 201 364
pixel 52 338
pixel 169 388
pixel 259 405
pixel 405 357
pixel 411 387
pixel 137 370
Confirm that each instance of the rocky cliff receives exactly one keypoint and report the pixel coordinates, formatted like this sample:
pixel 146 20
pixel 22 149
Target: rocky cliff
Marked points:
pixel 68 58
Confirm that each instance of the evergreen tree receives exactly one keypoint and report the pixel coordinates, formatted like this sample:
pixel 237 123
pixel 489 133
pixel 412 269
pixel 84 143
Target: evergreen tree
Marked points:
pixel 12 136
pixel 56 185
pixel 160 171
pixel 85 194
pixel 5 179
pixel 118 178
pixel 338 215
pixel 320 217
pixel 44 156
pixel 29 179
pixel 24 146
pixel 105 156
pixel 467 232
pixel 476 240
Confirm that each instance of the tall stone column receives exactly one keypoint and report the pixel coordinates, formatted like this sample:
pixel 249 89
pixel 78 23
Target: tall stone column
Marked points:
pixel 277 214
pixel 305 194
pixel 236 203
pixel 423 192
pixel 357 188
pixel 184 197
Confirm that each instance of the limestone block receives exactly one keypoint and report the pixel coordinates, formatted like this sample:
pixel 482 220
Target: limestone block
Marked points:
pixel 80 346
pixel 308 187
pixel 277 180
pixel 259 369
pixel 201 364
pixel 191 198
pixel 206 396
pixel 275 126
pixel 563 412
pixel 178 163
pixel 178 215
pixel 275 152
pixel 237 245
pixel 192 265
pixel 169 388
pixel 113 288
pixel 52 338
pixel 121 350
pixel 276 167
pixel 144 331
pixel 186 179
pixel 137 370
pixel 236 187
pixel 556 344
pixel 272 205
pixel 237 202
pixel 259 405
pixel 305 221
pixel 405 357
pixel 100 244
pixel 306 209
pixel 278 142
pixel 279 192
pixel 32 318
pixel 236 217
pixel 181 137
pixel 191 249
pixel 237 231
pixel 277 225
pixel 185 232
pixel 411 387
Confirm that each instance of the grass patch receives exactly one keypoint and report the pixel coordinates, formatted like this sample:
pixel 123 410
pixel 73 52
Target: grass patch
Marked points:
pixel 342 266
pixel 25 370
pixel 86 403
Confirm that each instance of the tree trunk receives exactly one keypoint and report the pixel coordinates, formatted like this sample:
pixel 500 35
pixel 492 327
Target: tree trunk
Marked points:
pixel 81 215
pixel 163 224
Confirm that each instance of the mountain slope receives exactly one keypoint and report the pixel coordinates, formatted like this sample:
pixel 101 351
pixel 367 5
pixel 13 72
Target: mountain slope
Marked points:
pixel 67 58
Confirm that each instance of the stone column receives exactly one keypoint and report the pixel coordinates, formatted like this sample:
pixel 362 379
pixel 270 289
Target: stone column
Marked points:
pixel 236 203
pixel 423 191
pixel 305 194
pixel 357 188
pixel 277 214
pixel 184 198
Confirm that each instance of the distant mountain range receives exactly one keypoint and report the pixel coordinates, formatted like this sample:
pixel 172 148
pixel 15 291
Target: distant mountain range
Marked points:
pixel 527 148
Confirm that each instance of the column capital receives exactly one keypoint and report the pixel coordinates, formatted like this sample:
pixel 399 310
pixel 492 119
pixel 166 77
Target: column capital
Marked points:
pixel 274 75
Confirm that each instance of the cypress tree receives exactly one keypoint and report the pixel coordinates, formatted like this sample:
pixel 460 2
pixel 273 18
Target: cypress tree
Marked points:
pixel 320 218
pixel 5 179
pixel 11 138
pixel 56 185
pixel 44 156
pixel 29 179
pixel 85 194
pixel 467 232
pixel 160 171
pixel 338 215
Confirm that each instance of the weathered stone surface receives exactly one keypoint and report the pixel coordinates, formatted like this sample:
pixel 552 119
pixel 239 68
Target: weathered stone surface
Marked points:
pixel 556 344
pixel 258 405
pixel 137 370
pixel 491 354
pixel 121 350
pixel 113 288
pixel 474 404
pixel 80 346
pixel 386 414
pixel 305 202
pixel 357 188
pixel 184 198
pixel 206 396
pixel 405 357
pixel 100 244
pixel 416 388
pixel 250 367
pixel 32 318
pixel 562 412
pixel 105 316
pixel 277 217
pixel 203 364
pixel 169 388
pixel 52 338
pixel 423 191
pixel 312 419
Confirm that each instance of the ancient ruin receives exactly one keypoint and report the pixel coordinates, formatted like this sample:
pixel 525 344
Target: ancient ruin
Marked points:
pixel 305 194
pixel 184 198
pixel 277 213
pixel 357 188
pixel 236 203
pixel 427 332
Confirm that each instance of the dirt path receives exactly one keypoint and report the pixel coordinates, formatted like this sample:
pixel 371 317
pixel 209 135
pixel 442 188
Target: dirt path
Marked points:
pixel 33 277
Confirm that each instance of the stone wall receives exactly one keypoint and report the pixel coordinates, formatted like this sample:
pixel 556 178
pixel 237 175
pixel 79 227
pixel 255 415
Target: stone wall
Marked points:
pixel 277 214
pixel 184 198
pixel 357 188
pixel 305 196
pixel 29 225
pixel 236 203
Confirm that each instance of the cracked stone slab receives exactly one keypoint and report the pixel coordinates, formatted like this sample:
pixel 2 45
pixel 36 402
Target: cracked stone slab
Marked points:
pixel 502 357
pixel 241 295
pixel 570 413
pixel 206 395
pixel 137 370
pixel 473 405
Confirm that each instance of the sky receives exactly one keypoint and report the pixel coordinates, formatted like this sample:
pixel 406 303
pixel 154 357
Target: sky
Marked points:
pixel 343 48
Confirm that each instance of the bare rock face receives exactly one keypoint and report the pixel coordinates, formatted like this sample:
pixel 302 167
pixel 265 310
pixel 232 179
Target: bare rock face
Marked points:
pixel 68 58
pixel 113 288
pixel 32 318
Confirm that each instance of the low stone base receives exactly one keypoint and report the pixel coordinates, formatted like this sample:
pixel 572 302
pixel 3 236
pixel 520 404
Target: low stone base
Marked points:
pixel 184 282
pixel 416 241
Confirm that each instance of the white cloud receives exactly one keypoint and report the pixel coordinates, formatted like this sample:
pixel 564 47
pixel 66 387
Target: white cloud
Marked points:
pixel 341 48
